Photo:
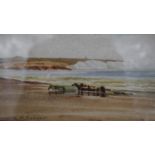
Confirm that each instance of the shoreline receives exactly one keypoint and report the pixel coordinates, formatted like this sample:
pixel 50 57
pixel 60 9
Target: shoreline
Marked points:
pixel 29 101
pixel 135 93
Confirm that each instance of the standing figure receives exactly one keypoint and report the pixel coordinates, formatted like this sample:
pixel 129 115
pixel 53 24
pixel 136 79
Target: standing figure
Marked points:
pixel 102 91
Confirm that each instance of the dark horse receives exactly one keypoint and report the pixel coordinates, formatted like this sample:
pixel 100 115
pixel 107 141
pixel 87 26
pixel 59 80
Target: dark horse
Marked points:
pixel 96 91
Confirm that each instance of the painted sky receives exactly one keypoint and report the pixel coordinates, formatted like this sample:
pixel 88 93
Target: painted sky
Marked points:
pixel 137 51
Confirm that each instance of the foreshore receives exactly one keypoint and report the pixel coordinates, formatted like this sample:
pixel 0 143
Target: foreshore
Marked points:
pixel 25 100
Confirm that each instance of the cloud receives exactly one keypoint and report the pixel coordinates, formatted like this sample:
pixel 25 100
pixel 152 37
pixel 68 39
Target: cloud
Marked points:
pixel 19 45
pixel 77 46
pixel 138 51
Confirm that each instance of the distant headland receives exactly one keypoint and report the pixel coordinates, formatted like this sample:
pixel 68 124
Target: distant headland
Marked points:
pixel 49 63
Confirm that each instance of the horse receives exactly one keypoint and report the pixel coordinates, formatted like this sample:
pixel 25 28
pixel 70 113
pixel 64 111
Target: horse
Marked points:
pixel 56 89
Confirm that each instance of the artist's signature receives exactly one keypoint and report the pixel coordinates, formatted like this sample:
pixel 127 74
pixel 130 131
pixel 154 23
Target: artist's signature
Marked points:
pixel 30 118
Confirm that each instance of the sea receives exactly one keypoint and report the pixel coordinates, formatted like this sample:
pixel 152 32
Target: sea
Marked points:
pixel 135 81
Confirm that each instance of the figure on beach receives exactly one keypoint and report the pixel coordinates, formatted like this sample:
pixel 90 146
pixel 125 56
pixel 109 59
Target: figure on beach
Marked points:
pixel 103 91
pixel 90 90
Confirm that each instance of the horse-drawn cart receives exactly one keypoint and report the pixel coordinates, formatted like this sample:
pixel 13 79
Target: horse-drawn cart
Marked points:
pixel 90 90
pixel 79 89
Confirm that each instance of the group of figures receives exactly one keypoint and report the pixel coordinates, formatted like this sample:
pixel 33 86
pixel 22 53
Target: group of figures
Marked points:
pixel 82 89
pixel 90 90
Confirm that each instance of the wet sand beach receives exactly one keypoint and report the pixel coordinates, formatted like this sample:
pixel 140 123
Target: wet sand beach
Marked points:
pixel 30 101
